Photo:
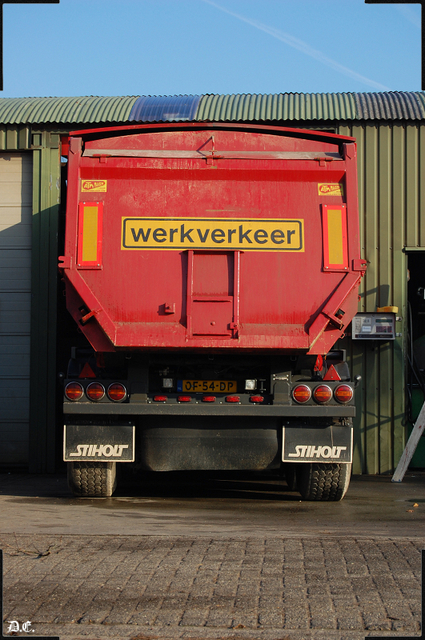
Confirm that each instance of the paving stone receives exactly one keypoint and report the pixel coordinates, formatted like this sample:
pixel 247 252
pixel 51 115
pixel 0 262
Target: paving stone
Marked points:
pixel 172 588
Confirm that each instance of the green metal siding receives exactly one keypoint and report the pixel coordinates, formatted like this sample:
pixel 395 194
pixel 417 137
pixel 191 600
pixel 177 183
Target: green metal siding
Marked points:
pixel 391 164
pixel 44 290
pixel 390 133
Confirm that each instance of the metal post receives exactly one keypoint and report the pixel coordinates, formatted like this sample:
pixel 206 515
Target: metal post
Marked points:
pixel 410 448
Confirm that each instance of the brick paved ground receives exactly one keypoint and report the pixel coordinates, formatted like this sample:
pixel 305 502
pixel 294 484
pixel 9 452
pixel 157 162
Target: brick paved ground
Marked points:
pixel 240 588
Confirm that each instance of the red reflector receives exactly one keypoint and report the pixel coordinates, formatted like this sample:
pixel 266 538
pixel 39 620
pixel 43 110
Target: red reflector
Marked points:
pixel 208 399
pixel 343 393
pixel 256 399
pixel 74 391
pixel 322 394
pixel 184 398
pixel 233 399
pixel 117 392
pixel 87 372
pixel 160 398
pixel 95 391
pixel 301 393
pixel 332 374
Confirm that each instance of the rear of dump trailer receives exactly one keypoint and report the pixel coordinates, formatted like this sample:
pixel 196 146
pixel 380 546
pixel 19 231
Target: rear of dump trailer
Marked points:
pixel 210 269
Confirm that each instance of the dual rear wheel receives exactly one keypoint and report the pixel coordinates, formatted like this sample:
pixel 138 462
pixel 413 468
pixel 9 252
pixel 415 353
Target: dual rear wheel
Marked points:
pixel 315 481
pixel 92 479
pixel 319 481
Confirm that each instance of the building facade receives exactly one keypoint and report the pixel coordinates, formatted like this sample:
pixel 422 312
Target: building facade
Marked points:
pixel 390 133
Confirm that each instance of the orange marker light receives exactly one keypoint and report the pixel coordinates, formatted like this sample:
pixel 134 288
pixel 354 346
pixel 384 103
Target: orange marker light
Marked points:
pixel 117 392
pixel 95 391
pixel 301 393
pixel 74 391
pixel 343 393
pixel 322 393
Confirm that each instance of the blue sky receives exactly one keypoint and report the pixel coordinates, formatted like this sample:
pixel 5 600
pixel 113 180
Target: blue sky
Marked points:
pixel 166 47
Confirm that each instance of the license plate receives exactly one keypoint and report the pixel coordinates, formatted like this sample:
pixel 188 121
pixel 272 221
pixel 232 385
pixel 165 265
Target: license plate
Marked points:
pixel 207 386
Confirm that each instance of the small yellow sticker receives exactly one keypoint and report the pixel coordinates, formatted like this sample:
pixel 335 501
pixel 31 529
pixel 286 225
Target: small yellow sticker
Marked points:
pixel 327 189
pixel 94 186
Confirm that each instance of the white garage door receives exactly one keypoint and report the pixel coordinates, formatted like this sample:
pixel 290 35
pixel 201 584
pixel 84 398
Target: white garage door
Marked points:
pixel 15 301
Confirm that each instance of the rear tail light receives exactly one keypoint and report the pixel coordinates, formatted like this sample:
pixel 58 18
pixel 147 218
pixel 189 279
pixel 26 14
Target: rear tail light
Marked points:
pixel 233 399
pixel 301 393
pixel 184 398
pixel 95 391
pixel 322 393
pixel 343 393
pixel 117 392
pixel 208 399
pixel 74 391
pixel 256 399
pixel 160 398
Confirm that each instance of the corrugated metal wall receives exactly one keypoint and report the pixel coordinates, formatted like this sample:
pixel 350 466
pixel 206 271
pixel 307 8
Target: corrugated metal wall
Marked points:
pixel 391 163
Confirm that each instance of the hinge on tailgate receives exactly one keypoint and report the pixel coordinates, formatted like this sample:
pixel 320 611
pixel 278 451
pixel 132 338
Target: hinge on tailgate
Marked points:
pixel 322 161
pixel 359 264
pixel 65 262
pixel 336 319
pixel 88 316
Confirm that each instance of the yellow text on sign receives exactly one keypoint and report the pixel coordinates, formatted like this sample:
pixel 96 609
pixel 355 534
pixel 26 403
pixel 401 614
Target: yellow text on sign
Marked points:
pixel 330 189
pixel 213 233
pixel 94 186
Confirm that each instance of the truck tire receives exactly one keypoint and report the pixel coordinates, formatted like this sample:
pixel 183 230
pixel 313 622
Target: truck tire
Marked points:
pixel 92 479
pixel 323 482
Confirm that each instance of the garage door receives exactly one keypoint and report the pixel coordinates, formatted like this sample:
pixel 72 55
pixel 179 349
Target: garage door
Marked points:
pixel 15 301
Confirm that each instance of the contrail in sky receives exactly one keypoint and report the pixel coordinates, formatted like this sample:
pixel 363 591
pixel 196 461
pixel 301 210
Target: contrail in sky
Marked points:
pixel 410 15
pixel 303 47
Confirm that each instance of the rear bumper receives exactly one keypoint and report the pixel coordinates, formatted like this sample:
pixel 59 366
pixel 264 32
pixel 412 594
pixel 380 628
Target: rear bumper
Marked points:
pixel 192 409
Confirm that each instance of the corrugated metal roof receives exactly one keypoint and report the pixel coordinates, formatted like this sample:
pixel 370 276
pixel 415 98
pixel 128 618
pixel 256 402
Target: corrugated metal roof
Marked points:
pixel 280 107
pixel 164 108
pixel 391 105
pixel 65 110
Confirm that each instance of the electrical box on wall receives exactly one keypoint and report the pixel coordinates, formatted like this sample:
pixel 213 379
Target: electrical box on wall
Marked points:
pixel 373 326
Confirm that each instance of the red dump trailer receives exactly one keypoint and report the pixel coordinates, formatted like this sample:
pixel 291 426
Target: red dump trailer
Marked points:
pixel 210 269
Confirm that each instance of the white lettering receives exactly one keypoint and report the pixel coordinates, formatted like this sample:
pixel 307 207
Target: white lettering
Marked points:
pixel 107 450
pixel 300 450
pixel 321 451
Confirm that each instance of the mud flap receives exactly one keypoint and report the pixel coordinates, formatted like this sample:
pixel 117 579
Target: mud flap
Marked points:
pixel 322 444
pixel 100 443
